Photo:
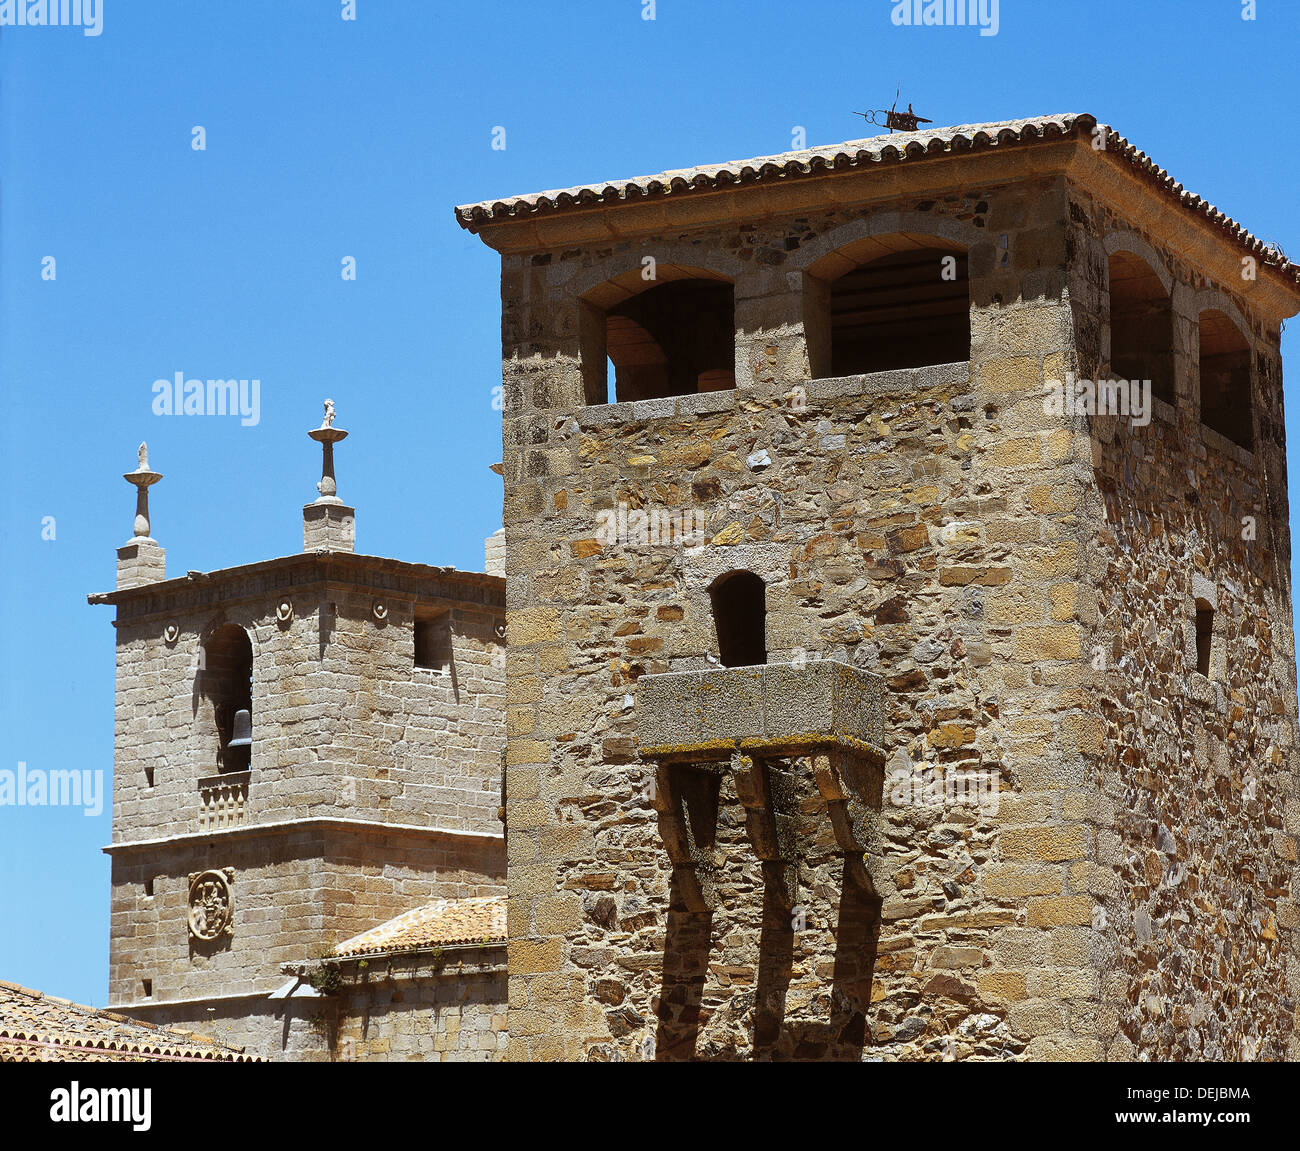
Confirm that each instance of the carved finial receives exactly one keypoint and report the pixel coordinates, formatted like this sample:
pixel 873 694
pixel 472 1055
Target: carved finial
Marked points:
pixel 327 435
pixel 142 478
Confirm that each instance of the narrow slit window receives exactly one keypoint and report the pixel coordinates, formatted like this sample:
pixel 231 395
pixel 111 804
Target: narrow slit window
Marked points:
pixel 1204 636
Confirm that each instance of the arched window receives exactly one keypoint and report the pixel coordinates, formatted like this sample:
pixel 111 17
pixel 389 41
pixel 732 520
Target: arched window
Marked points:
pixel 1226 393
pixel 903 309
pixel 226 683
pixel 740 619
pixel 673 339
pixel 1141 325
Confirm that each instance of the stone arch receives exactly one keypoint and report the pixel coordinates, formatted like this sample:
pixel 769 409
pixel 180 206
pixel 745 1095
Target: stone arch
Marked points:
pixel 1134 244
pixel 672 334
pixel 740 617
pixel 1225 375
pixel 880 299
pixel 1214 300
pixel 816 256
pixel 1139 311
pixel 225 683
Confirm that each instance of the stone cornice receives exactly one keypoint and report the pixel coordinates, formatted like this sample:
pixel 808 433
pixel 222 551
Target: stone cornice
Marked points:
pixel 288 826
pixel 345 570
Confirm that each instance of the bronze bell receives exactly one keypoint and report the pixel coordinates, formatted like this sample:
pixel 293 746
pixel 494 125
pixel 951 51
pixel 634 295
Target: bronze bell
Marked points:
pixel 243 729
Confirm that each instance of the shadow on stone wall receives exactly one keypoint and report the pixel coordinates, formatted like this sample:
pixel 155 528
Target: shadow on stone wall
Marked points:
pixel 841 1037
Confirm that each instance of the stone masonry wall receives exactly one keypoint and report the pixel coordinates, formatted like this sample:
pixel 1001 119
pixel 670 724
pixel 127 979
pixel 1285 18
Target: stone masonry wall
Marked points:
pixel 344 724
pixel 345 728
pixel 430 1007
pixel 297 894
pixel 925 525
pixel 1196 812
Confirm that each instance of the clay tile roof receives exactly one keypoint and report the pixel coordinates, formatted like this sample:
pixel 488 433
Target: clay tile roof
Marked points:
pixel 443 922
pixel 896 148
pixel 38 1028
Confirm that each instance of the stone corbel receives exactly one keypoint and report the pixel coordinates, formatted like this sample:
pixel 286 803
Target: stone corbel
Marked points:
pixel 686 799
pixel 846 781
pixel 768 797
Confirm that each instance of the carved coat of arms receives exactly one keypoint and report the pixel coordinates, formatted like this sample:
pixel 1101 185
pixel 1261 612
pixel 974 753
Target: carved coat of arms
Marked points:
pixel 212 904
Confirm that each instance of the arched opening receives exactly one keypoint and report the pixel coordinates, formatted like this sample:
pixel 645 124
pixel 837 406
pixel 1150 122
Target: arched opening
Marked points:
pixel 1204 635
pixel 1141 325
pixel 675 338
pixel 226 682
pixel 740 619
pixel 906 308
pixel 1226 392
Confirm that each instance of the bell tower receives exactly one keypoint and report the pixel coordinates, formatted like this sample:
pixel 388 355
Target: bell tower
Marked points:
pixel 305 747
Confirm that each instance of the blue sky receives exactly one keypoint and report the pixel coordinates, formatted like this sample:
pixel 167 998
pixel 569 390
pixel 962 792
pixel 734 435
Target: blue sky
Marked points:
pixel 329 139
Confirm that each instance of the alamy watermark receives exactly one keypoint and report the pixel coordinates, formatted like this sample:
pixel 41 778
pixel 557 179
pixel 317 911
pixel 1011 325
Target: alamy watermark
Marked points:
pixel 77 1104
pixel 650 527
pixel 88 15
pixel 182 397
pixel 937 787
pixel 981 14
pixel 1077 397
pixel 33 787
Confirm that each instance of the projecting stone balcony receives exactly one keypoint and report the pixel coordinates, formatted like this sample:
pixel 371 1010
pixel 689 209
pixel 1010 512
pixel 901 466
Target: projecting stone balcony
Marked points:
pixel 753 721
pixel 773 710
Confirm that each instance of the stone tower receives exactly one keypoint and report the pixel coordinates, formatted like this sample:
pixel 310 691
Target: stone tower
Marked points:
pixel 305 748
pixel 879 686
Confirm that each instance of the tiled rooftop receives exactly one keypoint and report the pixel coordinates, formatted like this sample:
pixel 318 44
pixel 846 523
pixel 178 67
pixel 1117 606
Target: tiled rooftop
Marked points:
pixel 39 1028
pixel 896 148
pixel 442 922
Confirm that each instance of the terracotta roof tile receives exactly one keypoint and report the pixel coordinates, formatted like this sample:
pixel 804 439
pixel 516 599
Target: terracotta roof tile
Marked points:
pixel 444 921
pixel 896 148
pixel 39 1028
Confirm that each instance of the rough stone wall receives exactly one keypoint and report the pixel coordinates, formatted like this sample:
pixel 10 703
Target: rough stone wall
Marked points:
pixel 922 524
pixel 1196 813
pixel 297 894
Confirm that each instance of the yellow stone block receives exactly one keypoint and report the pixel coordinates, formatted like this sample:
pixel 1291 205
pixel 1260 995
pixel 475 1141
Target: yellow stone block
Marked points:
pixel 1009 985
pixel 1047 642
pixel 1052 844
pixel 532 956
pixel 520 720
pixel 1017 453
pixel 1011 881
pixel 951 735
pixel 527 751
pixel 1063 597
pixel 1011 374
pixel 532 625
pixel 1061 911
